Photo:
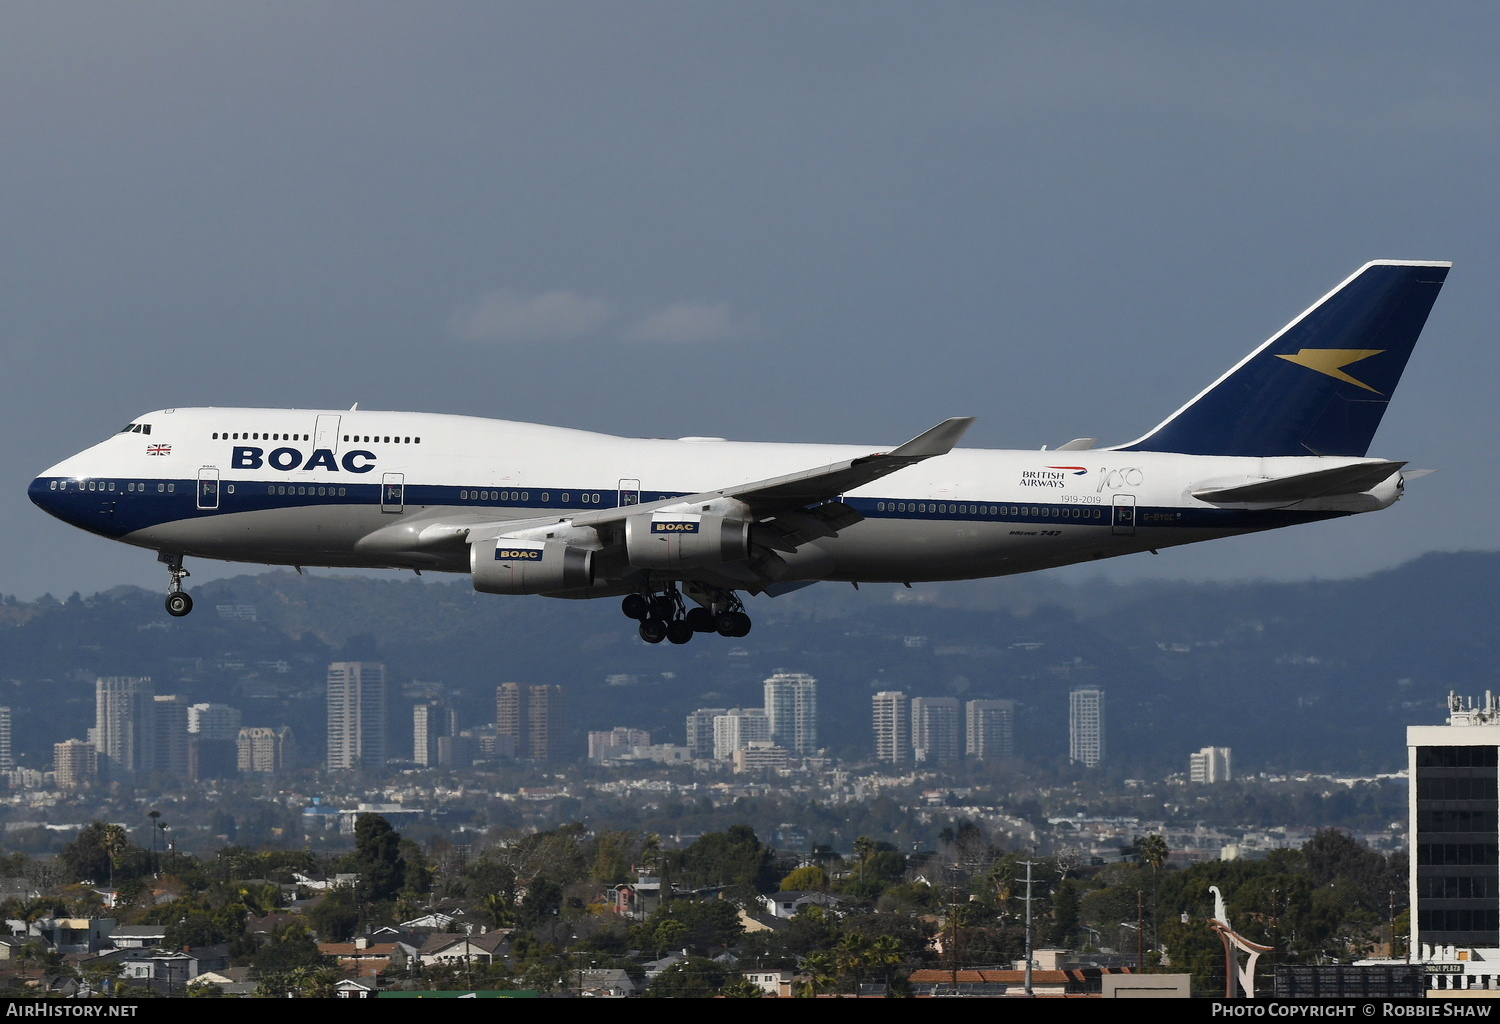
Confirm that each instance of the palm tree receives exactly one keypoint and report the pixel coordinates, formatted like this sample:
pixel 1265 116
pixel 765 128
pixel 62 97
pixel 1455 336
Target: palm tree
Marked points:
pixel 114 840
pixel 1153 850
pixel 884 953
pixel 821 971
pixel 851 957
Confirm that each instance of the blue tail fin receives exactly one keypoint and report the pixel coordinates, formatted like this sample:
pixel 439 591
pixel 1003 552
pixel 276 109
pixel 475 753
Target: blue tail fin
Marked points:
pixel 1320 385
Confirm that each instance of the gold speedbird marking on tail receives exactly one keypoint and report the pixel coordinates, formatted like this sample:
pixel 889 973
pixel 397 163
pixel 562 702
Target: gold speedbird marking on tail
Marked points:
pixel 1331 361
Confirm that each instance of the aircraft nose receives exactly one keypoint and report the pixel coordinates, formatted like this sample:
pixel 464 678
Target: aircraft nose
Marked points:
pixel 49 493
pixel 43 492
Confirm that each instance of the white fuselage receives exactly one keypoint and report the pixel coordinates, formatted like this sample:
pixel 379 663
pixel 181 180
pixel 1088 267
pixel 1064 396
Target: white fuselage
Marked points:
pixel 301 487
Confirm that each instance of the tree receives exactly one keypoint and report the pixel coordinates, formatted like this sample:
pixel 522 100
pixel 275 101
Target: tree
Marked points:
pixel 821 972
pixel 806 879
pixel 1154 852
pixel 335 917
pixel 114 841
pixel 377 858
pixel 694 978
pixel 733 858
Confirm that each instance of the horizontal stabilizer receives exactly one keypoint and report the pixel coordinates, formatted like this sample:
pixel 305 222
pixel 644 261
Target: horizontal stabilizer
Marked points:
pixel 1321 483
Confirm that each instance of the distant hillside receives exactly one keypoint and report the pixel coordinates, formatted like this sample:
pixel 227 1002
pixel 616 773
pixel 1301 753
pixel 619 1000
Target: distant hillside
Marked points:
pixel 1314 675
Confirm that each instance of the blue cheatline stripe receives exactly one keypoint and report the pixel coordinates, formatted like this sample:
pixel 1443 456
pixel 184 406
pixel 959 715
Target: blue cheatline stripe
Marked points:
pixel 121 511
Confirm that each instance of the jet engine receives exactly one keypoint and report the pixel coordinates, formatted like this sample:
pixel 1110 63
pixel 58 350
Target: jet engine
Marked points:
pixel 501 566
pixel 678 540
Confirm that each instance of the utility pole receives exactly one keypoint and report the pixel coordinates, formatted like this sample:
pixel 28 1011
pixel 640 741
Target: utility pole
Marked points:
pixel 1028 898
pixel 1140 930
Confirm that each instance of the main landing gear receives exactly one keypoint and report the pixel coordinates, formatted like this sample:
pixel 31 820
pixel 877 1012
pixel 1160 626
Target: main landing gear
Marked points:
pixel 662 616
pixel 179 603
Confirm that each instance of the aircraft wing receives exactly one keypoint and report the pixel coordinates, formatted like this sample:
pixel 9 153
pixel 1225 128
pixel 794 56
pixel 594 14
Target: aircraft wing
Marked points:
pixel 790 509
pixel 1320 483
pixel 810 486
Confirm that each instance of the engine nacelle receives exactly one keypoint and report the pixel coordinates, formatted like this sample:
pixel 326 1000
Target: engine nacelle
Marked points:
pixel 503 566
pixel 685 540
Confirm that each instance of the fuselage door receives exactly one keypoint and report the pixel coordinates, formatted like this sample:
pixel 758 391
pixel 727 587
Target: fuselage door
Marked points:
pixel 630 493
pixel 327 433
pixel 208 487
pixel 392 492
pixel 1122 522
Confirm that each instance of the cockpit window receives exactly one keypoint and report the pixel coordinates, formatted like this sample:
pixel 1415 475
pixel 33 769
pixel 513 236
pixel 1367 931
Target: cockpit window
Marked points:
pixel 136 428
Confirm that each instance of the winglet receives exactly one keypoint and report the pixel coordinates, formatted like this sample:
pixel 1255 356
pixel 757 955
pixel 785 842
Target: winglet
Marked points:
pixel 937 441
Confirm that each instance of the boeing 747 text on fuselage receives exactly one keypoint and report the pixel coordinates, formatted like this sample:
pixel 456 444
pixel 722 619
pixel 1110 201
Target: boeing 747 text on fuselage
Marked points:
pixel 681 528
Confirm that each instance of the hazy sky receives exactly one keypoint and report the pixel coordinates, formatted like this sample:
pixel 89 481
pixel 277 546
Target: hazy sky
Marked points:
pixel 780 221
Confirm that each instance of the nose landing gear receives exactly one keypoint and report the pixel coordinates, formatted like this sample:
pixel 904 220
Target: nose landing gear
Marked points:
pixel 179 602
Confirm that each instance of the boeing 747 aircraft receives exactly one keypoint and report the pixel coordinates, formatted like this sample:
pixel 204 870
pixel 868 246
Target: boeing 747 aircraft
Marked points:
pixel 681 528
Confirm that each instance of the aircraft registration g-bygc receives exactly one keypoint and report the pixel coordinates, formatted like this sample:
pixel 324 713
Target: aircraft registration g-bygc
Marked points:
pixel 680 528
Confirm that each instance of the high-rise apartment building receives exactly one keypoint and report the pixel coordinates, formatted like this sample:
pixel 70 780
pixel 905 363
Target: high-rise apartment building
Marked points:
pixel 1086 726
pixel 1211 764
pixel 990 729
pixel 356 715
pixel 123 724
pixel 700 732
pixel 737 728
pixel 75 764
pixel 533 716
pixel 792 707
pixel 169 736
pixel 214 721
pixel 1454 863
pixel 936 733
pixel 892 725
pixel 7 756
pixel 431 723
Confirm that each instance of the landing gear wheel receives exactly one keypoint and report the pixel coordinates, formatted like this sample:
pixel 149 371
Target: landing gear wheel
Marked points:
pixel 700 620
pixel 679 632
pixel 663 607
pixel 653 631
pixel 178 603
pixel 733 624
pixel 635 606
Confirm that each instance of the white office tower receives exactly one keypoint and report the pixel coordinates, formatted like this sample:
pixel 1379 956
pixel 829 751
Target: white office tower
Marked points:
pixel 792 707
pixel 1455 888
pixel 737 728
pixel 265 750
pixel 123 721
pixel 1211 764
pixel 169 736
pixel 214 721
pixel 356 715
pixel 935 731
pixel 892 724
pixel 1086 726
pixel 700 732
pixel 990 729
pixel 7 757
pixel 430 724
